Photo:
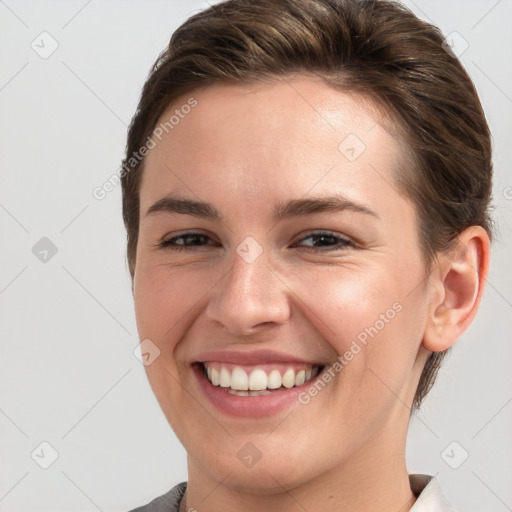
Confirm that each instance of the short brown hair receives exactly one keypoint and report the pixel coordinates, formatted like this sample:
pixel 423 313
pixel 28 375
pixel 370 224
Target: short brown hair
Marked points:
pixel 377 48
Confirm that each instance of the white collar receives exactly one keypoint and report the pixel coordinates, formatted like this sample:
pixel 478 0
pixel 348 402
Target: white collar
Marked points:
pixel 429 495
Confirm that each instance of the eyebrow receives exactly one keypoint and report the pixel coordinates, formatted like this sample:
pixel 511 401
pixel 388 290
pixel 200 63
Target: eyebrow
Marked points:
pixel 293 208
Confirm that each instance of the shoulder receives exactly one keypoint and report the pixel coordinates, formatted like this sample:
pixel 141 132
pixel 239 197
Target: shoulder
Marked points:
pixel 169 502
pixel 429 496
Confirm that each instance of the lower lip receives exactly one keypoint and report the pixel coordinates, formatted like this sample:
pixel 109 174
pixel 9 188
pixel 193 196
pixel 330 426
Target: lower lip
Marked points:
pixel 249 406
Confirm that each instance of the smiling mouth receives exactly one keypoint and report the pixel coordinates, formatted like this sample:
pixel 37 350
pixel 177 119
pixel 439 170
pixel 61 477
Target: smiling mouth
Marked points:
pixel 254 380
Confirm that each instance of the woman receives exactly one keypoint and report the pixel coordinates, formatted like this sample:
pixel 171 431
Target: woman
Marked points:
pixel 306 192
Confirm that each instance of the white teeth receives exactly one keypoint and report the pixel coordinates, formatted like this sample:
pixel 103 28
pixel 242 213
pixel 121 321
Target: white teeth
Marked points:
pixel 300 378
pixel 225 378
pixel 249 393
pixel 238 393
pixel 289 378
pixel 274 380
pixel 258 382
pixel 239 380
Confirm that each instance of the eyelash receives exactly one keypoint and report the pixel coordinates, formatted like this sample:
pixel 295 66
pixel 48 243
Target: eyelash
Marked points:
pixel 342 243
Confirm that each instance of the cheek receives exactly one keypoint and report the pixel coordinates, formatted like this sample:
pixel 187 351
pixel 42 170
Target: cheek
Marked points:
pixel 166 304
pixel 346 301
pixel 165 298
pixel 369 317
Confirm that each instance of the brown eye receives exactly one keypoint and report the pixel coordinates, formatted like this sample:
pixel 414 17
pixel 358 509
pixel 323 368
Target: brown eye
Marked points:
pixel 325 241
pixel 185 242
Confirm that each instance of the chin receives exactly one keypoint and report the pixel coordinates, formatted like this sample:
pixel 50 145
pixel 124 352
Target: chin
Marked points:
pixel 267 470
pixel 266 478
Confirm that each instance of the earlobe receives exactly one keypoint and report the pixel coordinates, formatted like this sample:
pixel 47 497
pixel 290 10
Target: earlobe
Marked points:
pixel 457 284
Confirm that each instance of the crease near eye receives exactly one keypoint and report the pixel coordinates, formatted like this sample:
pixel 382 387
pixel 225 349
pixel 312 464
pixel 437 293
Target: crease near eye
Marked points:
pixel 334 242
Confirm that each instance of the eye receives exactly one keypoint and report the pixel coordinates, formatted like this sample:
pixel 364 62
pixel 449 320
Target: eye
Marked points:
pixel 324 241
pixel 180 242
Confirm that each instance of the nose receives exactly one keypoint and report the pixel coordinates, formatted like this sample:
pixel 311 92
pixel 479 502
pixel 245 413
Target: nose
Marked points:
pixel 251 295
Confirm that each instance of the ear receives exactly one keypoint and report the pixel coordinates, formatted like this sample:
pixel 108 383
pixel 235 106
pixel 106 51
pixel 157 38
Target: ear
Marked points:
pixel 456 286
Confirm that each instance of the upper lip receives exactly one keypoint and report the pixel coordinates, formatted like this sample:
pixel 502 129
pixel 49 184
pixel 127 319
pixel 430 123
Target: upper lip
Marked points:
pixel 251 357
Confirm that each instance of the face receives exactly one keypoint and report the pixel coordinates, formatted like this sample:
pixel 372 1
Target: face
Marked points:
pixel 279 274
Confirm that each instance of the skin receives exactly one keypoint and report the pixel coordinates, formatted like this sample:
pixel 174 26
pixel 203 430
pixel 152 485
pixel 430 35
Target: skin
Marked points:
pixel 245 149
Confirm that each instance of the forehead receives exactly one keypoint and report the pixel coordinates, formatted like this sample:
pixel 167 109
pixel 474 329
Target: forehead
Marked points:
pixel 286 137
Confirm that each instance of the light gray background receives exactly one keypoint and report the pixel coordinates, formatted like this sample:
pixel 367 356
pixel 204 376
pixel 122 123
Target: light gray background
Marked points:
pixel 68 373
